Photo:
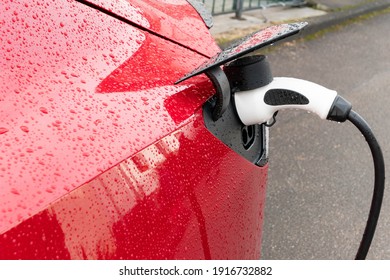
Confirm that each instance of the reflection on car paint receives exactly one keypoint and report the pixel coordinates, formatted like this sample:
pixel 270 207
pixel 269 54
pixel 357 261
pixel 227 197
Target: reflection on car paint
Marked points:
pixel 174 20
pixel 163 203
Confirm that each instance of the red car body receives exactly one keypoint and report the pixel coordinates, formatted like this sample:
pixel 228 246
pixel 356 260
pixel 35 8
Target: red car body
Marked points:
pixel 102 155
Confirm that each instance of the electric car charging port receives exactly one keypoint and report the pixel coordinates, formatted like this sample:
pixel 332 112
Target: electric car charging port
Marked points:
pixel 248 136
pixel 248 141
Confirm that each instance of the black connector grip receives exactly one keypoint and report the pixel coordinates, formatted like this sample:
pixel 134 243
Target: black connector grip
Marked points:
pixel 277 97
pixel 340 110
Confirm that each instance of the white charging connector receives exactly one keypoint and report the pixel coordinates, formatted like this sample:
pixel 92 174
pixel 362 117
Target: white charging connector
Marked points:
pixel 259 105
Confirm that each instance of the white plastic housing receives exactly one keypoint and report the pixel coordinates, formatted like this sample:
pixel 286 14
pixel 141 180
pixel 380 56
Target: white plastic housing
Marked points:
pixel 252 109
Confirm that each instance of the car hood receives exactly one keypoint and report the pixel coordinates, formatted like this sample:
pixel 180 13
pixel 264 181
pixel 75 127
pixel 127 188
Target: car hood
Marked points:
pixel 174 20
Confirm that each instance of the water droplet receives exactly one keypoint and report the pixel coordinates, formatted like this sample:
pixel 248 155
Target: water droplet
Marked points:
pixel 43 110
pixel 3 130
pixel 15 191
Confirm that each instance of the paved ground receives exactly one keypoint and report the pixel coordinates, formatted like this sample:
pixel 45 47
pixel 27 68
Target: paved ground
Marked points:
pixel 321 173
pixel 331 12
pixel 226 26
pixel 337 4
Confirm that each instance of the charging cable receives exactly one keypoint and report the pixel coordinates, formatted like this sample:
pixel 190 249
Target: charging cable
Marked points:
pixel 259 105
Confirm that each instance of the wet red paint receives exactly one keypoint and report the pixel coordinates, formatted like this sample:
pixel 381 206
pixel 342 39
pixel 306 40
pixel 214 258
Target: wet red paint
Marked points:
pixel 102 156
pixel 173 19
pixel 191 198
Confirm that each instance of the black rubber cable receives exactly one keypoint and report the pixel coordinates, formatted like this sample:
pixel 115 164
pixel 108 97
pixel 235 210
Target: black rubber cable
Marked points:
pixel 379 183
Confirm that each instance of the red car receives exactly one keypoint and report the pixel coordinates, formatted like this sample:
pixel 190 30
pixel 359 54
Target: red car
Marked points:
pixel 103 156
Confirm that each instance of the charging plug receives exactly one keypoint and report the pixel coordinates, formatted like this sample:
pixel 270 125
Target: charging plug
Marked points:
pixel 259 105
pixel 258 99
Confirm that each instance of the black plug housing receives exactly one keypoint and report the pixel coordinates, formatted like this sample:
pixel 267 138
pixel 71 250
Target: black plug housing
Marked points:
pixel 340 110
pixel 248 72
